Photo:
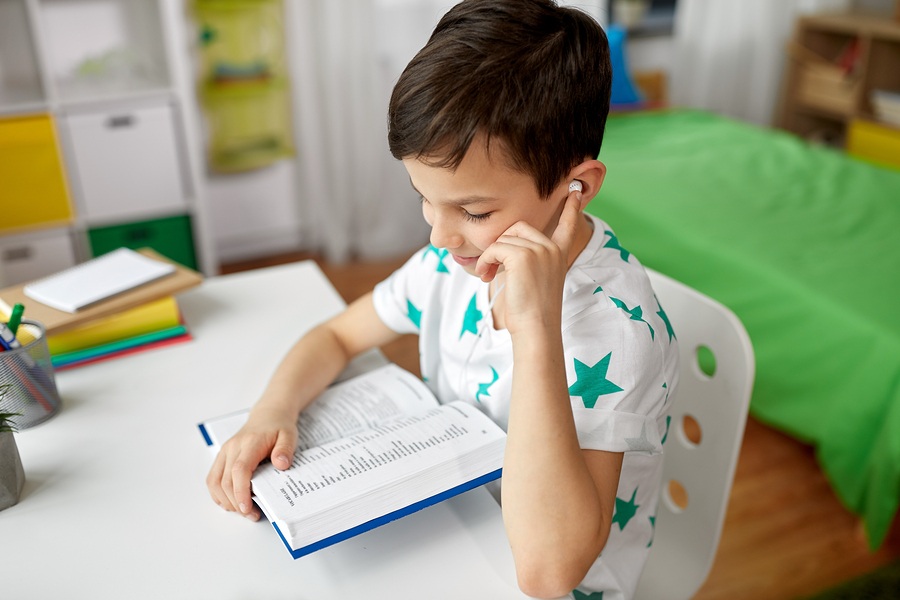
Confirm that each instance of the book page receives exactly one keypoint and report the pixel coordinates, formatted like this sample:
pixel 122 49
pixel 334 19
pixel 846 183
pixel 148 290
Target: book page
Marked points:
pixel 365 401
pixel 345 408
pixel 343 470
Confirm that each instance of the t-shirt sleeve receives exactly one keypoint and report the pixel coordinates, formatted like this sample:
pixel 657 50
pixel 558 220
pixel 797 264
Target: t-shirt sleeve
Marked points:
pixel 395 298
pixel 617 375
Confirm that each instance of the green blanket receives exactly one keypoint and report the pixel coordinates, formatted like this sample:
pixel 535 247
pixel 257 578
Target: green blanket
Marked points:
pixel 803 244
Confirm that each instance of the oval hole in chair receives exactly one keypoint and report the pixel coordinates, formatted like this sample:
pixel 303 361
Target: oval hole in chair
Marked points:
pixel 676 496
pixel 706 361
pixel 691 431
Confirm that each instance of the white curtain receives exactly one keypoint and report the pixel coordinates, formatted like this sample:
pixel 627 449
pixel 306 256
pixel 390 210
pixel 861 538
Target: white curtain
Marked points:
pixel 345 56
pixel 730 54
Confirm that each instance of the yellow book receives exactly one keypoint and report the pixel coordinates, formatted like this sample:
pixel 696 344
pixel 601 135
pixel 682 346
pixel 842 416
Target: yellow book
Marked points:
pixel 146 318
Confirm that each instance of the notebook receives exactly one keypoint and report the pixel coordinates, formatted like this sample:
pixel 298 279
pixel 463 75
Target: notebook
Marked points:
pixel 97 279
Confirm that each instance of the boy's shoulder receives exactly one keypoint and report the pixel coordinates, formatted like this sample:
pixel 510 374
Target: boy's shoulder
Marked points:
pixel 607 278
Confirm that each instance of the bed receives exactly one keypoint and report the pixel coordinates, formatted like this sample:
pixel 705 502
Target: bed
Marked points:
pixel 803 244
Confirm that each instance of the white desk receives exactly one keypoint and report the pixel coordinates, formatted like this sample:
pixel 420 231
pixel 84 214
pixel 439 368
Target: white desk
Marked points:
pixel 115 504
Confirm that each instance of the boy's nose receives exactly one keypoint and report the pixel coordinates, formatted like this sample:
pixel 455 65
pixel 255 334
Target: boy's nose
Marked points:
pixel 443 236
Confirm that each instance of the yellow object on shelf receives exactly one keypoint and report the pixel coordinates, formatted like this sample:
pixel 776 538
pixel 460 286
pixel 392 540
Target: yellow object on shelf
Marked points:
pixel 249 125
pixel 244 91
pixel 241 39
pixel 33 190
pixel 874 142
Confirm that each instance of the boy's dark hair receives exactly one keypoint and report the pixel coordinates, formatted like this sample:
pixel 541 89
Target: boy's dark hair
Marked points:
pixel 527 73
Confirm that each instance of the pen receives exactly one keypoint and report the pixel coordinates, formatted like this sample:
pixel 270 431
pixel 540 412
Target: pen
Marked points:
pixel 15 318
pixel 8 339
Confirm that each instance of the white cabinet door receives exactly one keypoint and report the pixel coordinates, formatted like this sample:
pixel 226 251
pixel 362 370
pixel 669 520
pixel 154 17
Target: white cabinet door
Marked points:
pixel 27 257
pixel 126 164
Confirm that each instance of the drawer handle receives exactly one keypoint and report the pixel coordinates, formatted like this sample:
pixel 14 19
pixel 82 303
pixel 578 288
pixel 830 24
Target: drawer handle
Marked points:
pixel 20 253
pixel 120 121
pixel 138 235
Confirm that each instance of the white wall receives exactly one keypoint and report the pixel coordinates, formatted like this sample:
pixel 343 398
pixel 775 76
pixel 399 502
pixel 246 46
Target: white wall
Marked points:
pixel 652 53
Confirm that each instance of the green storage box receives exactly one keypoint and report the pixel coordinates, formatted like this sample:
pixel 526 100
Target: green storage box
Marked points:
pixel 170 236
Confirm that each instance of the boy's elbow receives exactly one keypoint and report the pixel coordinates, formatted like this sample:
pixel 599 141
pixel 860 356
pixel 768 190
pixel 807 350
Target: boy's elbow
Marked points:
pixel 543 573
pixel 544 580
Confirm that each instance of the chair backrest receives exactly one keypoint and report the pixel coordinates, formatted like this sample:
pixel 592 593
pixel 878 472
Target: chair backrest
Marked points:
pixel 708 415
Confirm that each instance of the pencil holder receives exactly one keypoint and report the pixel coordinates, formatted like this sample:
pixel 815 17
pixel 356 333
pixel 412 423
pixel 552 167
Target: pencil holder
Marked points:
pixel 27 383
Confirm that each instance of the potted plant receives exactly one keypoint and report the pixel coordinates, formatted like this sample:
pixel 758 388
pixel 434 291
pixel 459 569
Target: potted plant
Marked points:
pixel 12 475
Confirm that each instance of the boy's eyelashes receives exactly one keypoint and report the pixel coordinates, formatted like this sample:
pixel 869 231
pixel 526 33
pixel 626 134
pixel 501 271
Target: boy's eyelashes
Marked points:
pixel 466 214
pixel 480 217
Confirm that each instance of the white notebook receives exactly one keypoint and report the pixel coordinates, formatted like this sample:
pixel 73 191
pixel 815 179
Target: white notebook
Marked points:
pixel 97 279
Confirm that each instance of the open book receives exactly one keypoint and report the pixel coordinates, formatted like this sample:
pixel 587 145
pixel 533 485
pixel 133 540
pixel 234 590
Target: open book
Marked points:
pixel 372 449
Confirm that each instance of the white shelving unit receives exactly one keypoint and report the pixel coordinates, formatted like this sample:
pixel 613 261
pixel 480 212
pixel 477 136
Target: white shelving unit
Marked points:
pixel 115 78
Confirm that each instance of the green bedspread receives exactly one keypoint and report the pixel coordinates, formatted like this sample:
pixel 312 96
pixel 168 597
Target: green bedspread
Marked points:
pixel 803 244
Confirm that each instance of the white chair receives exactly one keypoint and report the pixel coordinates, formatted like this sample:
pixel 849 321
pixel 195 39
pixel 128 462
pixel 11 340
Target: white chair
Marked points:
pixel 704 439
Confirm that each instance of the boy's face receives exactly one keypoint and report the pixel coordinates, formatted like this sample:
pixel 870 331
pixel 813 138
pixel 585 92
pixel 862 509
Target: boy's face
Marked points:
pixel 469 208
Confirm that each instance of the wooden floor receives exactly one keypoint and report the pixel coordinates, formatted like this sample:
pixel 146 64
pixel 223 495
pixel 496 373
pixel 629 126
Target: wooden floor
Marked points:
pixel 786 535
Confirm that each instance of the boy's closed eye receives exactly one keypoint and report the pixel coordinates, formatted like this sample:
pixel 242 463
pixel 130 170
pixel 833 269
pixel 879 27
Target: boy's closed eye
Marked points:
pixel 466 214
pixel 477 217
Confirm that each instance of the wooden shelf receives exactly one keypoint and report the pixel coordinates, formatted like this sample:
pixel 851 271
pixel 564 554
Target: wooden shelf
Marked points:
pixel 836 62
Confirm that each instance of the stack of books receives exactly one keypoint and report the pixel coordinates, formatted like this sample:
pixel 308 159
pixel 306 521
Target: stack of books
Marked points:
pixel 112 306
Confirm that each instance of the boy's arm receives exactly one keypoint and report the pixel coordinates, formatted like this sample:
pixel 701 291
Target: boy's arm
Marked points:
pixel 558 499
pixel 307 369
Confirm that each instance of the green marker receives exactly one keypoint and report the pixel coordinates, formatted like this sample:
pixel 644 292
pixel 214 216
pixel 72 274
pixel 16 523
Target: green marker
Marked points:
pixel 15 318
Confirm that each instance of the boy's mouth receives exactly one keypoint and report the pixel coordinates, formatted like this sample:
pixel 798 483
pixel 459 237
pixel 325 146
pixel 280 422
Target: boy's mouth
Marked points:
pixel 465 261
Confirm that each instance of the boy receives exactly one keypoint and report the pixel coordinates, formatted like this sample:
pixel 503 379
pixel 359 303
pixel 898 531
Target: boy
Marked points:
pixel 524 305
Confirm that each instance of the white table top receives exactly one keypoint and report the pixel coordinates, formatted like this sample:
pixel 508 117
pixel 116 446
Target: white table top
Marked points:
pixel 115 504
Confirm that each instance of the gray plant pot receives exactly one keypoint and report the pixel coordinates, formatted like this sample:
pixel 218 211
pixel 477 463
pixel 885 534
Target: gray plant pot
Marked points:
pixel 12 475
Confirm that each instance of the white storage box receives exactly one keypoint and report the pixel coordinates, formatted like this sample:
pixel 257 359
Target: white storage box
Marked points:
pixel 30 256
pixel 126 164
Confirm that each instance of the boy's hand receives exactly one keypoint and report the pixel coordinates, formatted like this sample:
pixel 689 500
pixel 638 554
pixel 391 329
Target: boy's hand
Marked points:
pixel 535 269
pixel 267 433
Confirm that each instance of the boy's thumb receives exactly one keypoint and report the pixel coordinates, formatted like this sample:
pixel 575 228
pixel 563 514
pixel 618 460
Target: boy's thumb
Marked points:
pixel 283 451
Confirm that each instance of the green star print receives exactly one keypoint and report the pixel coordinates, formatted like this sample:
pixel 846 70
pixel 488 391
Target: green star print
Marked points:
pixel 614 244
pixel 636 313
pixel 484 387
pixel 652 530
pixel 662 315
pixel 471 318
pixel 591 382
pixel 441 254
pixel 414 314
pixel 625 510
pixel 582 596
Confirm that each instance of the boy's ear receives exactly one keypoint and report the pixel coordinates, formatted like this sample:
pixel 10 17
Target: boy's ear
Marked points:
pixel 591 174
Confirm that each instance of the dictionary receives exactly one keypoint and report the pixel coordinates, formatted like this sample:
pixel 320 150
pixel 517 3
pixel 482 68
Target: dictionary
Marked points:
pixel 371 449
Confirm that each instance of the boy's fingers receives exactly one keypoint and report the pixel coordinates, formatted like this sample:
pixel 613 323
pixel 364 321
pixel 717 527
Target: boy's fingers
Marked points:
pixel 214 482
pixel 241 471
pixel 568 222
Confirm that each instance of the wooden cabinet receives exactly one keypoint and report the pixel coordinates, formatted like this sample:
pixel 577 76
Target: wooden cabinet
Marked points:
pixel 99 132
pixel 836 62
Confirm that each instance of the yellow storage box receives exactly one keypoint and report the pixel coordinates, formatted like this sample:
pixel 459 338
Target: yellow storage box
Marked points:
pixel 874 142
pixel 33 192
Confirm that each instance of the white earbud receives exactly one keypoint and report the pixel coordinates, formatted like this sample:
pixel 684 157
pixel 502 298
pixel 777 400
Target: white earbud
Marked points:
pixel 575 186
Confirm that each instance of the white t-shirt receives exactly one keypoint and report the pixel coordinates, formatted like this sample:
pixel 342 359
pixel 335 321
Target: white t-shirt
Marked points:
pixel 621 364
